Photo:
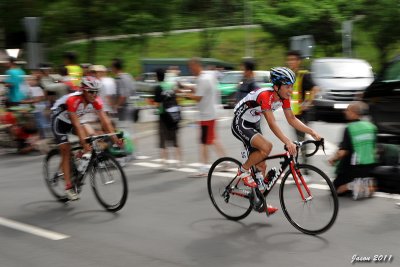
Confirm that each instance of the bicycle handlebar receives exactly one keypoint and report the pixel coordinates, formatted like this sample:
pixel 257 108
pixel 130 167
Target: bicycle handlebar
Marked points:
pixel 315 142
pixel 90 139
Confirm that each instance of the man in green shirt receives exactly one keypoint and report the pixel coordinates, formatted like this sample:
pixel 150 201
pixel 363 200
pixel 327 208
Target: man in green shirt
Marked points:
pixel 356 156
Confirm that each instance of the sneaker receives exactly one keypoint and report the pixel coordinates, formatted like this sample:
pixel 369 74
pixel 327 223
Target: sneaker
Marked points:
pixel 71 194
pixel 203 172
pixel 247 179
pixel 271 210
pixel 357 189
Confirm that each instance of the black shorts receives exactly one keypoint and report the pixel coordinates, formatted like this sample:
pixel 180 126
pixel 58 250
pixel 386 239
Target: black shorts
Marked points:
pixel 60 130
pixel 245 131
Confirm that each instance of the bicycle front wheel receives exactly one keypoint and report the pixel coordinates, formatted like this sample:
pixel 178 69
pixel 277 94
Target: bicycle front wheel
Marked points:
pixel 313 213
pixel 227 193
pixel 53 175
pixel 108 182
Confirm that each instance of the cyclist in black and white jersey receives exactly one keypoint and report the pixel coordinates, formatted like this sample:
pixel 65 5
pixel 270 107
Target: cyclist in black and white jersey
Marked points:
pixel 66 118
pixel 247 116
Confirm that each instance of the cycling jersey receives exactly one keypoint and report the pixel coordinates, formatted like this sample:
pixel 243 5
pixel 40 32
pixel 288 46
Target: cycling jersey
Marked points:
pixel 61 124
pixel 246 121
pixel 256 102
pixel 74 103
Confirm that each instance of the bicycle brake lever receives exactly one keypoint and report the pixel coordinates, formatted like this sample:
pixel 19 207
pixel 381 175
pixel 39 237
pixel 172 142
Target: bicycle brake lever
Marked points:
pixel 323 145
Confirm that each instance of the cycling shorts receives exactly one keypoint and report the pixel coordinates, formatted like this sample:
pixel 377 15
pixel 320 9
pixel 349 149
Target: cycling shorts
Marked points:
pixel 60 130
pixel 245 131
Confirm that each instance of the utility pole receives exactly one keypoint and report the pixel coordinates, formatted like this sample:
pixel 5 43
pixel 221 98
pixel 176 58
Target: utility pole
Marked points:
pixel 347 27
pixel 248 20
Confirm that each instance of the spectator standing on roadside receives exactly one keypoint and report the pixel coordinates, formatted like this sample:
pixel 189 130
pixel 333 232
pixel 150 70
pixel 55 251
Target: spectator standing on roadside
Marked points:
pixel 356 156
pixel 74 70
pixel 205 94
pixel 15 83
pixel 108 88
pixel 125 88
pixel 248 83
pixel 37 99
pixel 304 90
pixel 51 83
pixel 168 131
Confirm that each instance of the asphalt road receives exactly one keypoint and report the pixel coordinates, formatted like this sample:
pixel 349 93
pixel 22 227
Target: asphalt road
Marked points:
pixel 169 220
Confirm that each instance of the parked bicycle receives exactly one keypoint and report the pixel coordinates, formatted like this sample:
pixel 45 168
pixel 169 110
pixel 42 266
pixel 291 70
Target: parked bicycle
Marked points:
pixel 307 196
pixel 107 177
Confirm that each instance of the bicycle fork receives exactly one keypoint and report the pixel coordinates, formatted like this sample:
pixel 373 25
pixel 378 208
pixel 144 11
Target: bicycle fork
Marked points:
pixel 298 176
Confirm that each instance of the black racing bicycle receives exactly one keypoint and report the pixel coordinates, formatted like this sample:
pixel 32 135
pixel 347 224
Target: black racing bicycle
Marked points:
pixel 307 196
pixel 107 178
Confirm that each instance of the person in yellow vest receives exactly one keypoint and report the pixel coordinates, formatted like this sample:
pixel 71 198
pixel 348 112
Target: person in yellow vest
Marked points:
pixel 74 70
pixel 304 90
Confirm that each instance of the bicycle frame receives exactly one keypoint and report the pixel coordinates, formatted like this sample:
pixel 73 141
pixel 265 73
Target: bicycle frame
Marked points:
pixel 288 161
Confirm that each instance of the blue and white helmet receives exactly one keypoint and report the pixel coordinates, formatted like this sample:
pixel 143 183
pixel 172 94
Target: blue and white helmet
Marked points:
pixel 282 75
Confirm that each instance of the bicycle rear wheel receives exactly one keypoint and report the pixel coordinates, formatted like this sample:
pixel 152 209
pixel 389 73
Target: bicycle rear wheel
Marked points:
pixel 318 212
pixel 228 195
pixel 53 175
pixel 108 182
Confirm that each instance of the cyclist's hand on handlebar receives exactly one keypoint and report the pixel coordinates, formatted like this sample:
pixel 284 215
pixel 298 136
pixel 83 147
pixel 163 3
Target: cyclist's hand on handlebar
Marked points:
pixel 87 148
pixel 316 136
pixel 120 143
pixel 291 147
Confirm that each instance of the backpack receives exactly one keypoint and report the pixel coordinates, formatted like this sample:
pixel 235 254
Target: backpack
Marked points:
pixel 171 109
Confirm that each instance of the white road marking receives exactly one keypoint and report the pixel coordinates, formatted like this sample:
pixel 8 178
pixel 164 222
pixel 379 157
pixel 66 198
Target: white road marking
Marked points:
pixel 319 186
pixel 148 164
pixel 32 229
pixel 142 157
pixel 227 174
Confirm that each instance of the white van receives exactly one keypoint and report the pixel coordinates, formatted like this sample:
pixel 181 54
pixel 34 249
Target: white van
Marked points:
pixel 341 81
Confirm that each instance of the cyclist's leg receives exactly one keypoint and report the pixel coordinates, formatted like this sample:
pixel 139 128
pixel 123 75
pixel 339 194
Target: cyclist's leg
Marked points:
pixel 263 149
pixel 60 131
pixel 65 151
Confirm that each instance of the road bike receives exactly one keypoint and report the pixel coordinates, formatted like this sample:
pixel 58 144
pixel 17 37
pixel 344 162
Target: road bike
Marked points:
pixel 107 177
pixel 307 195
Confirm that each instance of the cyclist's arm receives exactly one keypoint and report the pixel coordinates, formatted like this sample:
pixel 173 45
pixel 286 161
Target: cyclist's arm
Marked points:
pixel 106 124
pixel 269 116
pixel 80 131
pixel 297 124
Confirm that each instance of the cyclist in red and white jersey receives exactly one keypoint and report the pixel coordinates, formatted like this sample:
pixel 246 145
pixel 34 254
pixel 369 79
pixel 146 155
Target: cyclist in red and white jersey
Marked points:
pixel 247 116
pixel 66 113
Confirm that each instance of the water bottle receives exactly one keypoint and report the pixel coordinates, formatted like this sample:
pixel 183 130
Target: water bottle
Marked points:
pixel 260 181
pixel 84 162
pixel 270 175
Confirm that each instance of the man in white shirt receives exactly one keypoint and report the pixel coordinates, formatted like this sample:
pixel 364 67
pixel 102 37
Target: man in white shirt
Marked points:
pixel 205 94
pixel 108 90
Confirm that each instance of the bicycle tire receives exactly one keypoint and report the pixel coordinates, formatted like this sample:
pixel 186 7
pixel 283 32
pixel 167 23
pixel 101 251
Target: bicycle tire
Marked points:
pixel 324 201
pixel 106 162
pixel 217 183
pixel 52 175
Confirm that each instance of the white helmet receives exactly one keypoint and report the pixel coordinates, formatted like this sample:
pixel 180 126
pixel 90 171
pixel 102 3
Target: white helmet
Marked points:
pixel 90 83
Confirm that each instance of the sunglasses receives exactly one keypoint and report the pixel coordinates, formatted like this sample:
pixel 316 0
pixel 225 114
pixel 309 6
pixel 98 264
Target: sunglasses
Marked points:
pixel 92 92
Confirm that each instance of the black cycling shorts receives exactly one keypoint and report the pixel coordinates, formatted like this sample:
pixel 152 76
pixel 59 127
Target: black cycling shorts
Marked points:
pixel 60 130
pixel 245 131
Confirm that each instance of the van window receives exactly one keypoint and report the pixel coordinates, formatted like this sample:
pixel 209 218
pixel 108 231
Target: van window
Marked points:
pixel 342 70
pixel 392 73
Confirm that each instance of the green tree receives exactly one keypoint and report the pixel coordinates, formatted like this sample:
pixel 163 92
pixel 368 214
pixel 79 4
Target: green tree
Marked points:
pixel 211 14
pixel 382 20
pixel 320 18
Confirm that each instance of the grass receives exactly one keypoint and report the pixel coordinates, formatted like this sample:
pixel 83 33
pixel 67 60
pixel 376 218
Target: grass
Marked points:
pixel 228 45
